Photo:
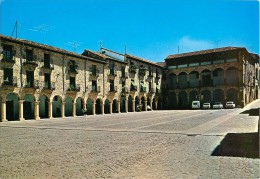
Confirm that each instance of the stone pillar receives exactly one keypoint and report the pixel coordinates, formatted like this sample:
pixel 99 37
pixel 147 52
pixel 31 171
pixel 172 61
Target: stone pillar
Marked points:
pixel 63 109
pixel 133 105
pixel 177 98
pixel 118 106
pixel 21 110
pixel 94 108
pixel 156 105
pixel 151 104
pixel 74 109
pixel 126 105
pixel 3 110
pixel 50 109
pixel 36 110
pixel 110 107
pixel 102 105
pixel 145 105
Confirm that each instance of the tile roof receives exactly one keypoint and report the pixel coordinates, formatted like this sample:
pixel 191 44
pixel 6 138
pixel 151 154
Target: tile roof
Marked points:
pixel 202 52
pixel 142 60
pixel 46 47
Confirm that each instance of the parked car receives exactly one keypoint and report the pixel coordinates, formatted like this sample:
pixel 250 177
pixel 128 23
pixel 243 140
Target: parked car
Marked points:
pixel 230 104
pixel 206 106
pixel 195 105
pixel 217 105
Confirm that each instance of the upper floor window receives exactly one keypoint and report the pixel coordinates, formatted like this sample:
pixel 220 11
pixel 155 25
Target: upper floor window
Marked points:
pixel 8 76
pixel 111 68
pixel 94 69
pixel 7 52
pixel 47 60
pixel 231 60
pixel 123 71
pixel 29 55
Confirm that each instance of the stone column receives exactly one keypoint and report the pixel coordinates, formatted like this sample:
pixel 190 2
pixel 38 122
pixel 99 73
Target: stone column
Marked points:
pixel 151 104
pixel 156 105
pixel 145 105
pixel 36 110
pixel 3 110
pixel 21 110
pixel 110 107
pixel 63 109
pixel 133 105
pixel 118 106
pixel 94 108
pixel 74 109
pixel 102 105
pixel 126 105
pixel 50 109
pixel 177 98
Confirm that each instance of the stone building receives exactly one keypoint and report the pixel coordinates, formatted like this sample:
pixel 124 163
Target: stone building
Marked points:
pixel 40 81
pixel 215 75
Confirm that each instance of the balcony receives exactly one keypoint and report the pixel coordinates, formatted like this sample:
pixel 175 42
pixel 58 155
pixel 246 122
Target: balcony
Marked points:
pixel 125 90
pixel 30 63
pixel 74 88
pixel 95 89
pixel 124 75
pixel 9 82
pixel 113 89
pixel 132 68
pixel 28 84
pixel 93 74
pixel 143 89
pixel 142 71
pixel 133 88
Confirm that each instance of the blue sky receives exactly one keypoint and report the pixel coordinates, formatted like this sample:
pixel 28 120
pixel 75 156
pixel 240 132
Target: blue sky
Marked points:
pixel 150 29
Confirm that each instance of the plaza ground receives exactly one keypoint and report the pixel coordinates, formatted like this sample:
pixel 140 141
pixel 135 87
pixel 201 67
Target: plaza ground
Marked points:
pixel 154 144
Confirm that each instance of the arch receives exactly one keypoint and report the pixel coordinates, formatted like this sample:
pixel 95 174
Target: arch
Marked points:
pixel 143 103
pixel 183 100
pixel 44 106
pixel 89 104
pixel 218 96
pixel 206 96
pixel 193 96
pixel 68 106
pixel 172 81
pixel 98 106
pixel 130 104
pixel 107 107
pixel 232 76
pixel 172 100
pixel 232 95
pixel 136 102
pixel 56 106
pixel 28 107
pixel 79 106
pixel 122 103
pixel 206 80
pixel 12 107
pixel 114 106
pixel 218 77
pixel 183 80
pixel 194 79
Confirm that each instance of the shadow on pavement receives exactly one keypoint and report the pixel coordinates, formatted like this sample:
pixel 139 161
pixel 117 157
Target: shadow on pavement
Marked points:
pixel 251 112
pixel 238 145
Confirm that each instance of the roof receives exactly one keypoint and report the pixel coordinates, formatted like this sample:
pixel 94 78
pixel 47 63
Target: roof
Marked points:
pixel 143 60
pixel 203 52
pixel 47 47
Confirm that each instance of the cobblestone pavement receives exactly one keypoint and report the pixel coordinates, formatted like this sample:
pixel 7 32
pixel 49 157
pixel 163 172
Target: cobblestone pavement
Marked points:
pixel 156 144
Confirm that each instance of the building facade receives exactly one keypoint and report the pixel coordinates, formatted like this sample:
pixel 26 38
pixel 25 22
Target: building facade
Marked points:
pixel 40 81
pixel 216 75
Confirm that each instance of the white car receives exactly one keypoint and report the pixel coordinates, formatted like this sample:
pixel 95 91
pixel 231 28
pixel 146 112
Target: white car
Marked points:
pixel 206 106
pixel 230 104
pixel 217 105
pixel 195 105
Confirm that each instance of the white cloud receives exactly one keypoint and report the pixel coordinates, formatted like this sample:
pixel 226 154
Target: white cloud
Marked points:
pixel 187 44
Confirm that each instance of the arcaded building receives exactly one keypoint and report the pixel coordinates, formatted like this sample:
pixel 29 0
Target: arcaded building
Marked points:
pixel 40 81
pixel 215 75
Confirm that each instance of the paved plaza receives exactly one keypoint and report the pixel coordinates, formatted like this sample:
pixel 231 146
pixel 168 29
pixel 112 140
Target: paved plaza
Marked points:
pixel 153 144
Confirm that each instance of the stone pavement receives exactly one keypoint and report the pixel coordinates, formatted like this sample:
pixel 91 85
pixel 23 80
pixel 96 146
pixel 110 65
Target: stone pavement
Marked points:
pixel 156 144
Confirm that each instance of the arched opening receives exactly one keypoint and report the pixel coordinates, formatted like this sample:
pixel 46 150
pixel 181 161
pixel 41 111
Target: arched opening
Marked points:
pixel 154 107
pixel 182 80
pixel 107 107
pixel 206 96
pixel 98 106
pixel 56 106
pixel 172 81
pixel 218 77
pixel 194 79
pixel 130 104
pixel 79 106
pixel 206 78
pixel 232 95
pixel 232 76
pixel 183 100
pixel 28 107
pixel 136 103
pixel 194 96
pixel 44 107
pixel 12 107
pixel 122 103
pixel 218 96
pixel 143 104
pixel 114 106
pixel 89 106
pixel 172 100
pixel 68 106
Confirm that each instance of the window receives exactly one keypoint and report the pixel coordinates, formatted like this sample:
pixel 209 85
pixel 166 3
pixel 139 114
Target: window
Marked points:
pixel 94 70
pixel 150 71
pixel 231 60
pixel 72 83
pixel 183 66
pixel 123 83
pixel 206 63
pixel 172 67
pixel 7 52
pixel 111 85
pixel 29 55
pixel 47 60
pixel 193 64
pixel 29 79
pixel 218 61
pixel 111 68
pixel 47 80
pixel 94 85
pixel 8 76
pixel 123 71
